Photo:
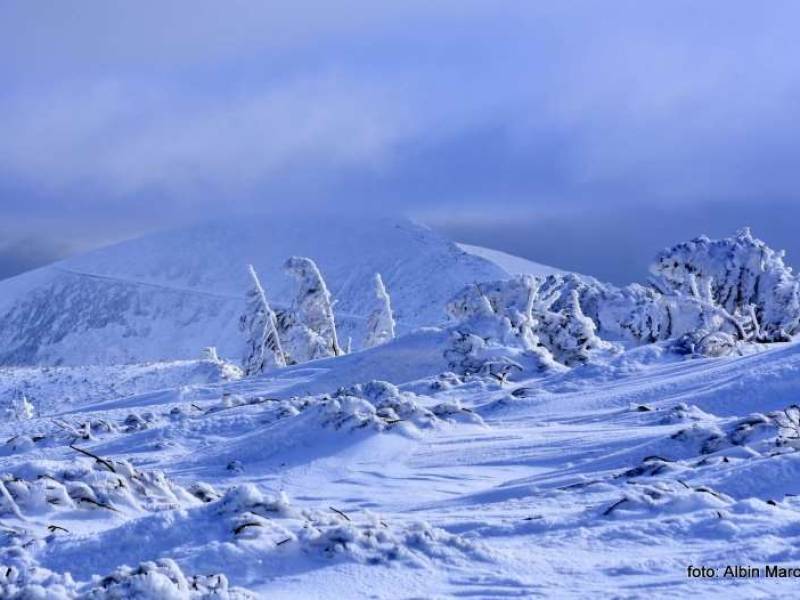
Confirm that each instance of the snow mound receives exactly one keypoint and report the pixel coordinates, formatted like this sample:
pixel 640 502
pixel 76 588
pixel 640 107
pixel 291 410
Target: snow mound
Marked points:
pixel 114 485
pixel 271 524
pixel 162 579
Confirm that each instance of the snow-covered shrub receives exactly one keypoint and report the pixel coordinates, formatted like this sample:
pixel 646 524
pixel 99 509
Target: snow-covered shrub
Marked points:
pixel 470 354
pixel 380 326
pixel 376 406
pixel 35 583
pixel 165 580
pixel 262 343
pixel 568 334
pixel 374 542
pixel 703 343
pixel 105 484
pixel 541 317
pixel 740 275
pixel 501 309
pixel 666 498
pixel 271 523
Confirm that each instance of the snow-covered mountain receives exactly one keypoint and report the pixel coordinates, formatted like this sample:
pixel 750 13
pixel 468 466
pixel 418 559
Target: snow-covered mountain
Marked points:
pixel 167 295
pixel 559 438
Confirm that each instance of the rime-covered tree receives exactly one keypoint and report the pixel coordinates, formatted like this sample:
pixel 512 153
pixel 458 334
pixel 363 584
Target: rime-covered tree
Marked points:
pixel 258 323
pixel 740 275
pixel 310 329
pixel 568 334
pixel 380 326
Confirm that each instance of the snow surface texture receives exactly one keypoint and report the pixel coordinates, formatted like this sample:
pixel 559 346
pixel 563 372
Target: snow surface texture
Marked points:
pixel 530 448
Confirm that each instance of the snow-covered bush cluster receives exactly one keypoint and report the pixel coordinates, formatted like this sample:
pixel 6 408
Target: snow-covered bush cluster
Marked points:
pixel 306 330
pixel 760 434
pixel 104 484
pixel 376 405
pixel 518 313
pixel 270 522
pixel 162 579
pixel 706 295
pixel 741 276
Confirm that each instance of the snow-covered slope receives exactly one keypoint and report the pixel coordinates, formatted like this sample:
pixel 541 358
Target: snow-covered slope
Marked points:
pixel 167 295
pixel 604 481
pixel 515 265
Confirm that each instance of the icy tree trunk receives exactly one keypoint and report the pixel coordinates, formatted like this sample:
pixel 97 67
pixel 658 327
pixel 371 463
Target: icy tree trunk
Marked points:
pixel 313 311
pixel 380 327
pixel 263 346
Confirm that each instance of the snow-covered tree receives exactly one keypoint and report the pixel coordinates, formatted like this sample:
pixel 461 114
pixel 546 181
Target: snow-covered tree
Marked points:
pixel 263 345
pixel 568 334
pixel 742 277
pixel 309 329
pixel 19 407
pixel 502 310
pixel 380 326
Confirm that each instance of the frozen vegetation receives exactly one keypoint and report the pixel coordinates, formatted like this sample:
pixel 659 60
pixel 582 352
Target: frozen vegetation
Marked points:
pixel 542 434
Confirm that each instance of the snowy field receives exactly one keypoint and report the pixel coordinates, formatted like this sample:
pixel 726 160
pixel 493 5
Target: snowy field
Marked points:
pixel 586 442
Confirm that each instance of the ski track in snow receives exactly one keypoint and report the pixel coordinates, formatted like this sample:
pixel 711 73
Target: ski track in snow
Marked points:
pixel 538 492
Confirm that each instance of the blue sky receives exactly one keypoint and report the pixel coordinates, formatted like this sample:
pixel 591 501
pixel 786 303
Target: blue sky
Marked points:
pixel 583 134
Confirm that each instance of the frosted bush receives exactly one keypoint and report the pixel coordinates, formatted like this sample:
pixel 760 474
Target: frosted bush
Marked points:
pixel 707 295
pixel 742 276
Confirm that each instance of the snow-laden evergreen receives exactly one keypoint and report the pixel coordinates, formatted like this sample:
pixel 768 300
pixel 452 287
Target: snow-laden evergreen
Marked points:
pixel 258 323
pixel 708 295
pixel 309 328
pixel 380 325
pixel 518 313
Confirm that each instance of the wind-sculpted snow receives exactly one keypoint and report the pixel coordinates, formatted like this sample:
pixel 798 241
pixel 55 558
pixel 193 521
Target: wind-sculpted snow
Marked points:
pixel 436 483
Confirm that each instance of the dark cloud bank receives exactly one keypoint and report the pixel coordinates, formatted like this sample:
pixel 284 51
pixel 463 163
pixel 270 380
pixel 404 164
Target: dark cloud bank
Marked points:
pixel 585 134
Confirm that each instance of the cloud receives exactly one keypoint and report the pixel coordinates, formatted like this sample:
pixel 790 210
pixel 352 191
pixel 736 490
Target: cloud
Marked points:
pixel 20 255
pixel 120 114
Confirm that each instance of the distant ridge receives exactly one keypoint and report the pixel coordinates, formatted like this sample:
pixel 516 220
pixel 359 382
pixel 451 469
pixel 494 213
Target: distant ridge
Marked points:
pixel 169 294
